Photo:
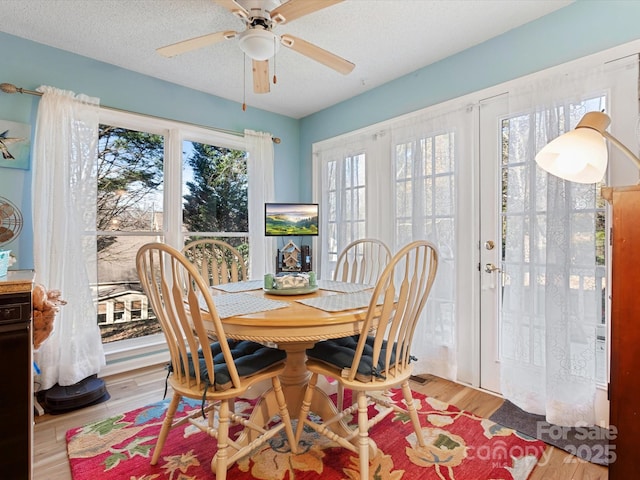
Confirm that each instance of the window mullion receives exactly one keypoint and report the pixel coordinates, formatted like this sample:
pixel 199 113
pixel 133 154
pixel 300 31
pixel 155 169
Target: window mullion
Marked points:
pixel 173 189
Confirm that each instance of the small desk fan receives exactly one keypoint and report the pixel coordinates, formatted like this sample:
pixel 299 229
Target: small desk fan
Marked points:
pixel 10 221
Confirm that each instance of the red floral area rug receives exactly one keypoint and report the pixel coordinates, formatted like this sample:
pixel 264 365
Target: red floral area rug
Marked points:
pixel 459 446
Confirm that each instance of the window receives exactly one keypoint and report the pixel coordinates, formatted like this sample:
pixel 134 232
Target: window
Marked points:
pixel 130 210
pixel 215 194
pixel 425 189
pixel 425 208
pixel 345 204
pixel 400 185
pixel 148 192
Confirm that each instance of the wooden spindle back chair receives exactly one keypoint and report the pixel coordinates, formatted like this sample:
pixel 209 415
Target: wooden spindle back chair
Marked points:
pixel 213 372
pixel 217 261
pixel 379 358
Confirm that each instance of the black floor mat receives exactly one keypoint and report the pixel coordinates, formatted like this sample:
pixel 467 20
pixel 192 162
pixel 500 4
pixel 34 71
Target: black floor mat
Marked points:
pixel 589 443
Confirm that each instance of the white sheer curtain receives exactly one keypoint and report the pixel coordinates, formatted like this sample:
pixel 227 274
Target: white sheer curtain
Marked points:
pixel 553 293
pixel 260 167
pixel 64 212
pixel 346 210
pixel 414 177
pixel 429 154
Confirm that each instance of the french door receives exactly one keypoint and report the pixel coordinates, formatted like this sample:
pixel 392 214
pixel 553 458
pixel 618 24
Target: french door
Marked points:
pixel 500 166
pixel 490 238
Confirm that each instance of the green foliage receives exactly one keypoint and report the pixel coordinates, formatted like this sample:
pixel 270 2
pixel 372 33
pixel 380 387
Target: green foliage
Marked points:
pixel 131 177
pixel 218 200
pixel 130 169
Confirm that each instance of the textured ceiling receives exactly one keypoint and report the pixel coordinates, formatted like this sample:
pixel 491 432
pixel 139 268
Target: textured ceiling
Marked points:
pixel 386 39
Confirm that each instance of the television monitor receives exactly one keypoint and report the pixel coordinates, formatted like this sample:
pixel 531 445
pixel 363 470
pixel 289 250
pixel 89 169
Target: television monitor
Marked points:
pixel 290 219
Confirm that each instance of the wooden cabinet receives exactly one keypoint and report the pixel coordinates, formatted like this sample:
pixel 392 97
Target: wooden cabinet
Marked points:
pixel 624 386
pixel 16 371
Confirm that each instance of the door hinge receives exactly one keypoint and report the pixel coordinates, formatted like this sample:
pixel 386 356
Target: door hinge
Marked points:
pixel 610 236
pixel 608 391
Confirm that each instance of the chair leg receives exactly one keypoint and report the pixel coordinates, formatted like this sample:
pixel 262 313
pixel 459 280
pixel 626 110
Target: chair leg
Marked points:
pixel 166 426
pixel 284 414
pixel 363 434
pixel 413 413
pixel 306 406
pixel 340 397
pixel 219 461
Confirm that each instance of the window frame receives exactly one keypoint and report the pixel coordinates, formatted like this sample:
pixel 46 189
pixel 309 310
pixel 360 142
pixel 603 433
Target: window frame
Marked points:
pixel 124 355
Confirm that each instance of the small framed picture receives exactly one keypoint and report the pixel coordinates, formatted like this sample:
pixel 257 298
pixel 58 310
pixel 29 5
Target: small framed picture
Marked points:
pixel 15 144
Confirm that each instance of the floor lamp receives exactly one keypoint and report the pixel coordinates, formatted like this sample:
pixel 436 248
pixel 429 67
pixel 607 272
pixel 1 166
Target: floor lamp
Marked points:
pixel 581 156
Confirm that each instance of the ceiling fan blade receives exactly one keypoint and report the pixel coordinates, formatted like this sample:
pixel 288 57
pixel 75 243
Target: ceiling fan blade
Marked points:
pixel 318 54
pixel 195 43
pixel 261 76
pixel 293 9
pixel 234 7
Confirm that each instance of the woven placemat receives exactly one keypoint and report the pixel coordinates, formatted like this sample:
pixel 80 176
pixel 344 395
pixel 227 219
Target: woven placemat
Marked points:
pixel 245 286
pixel 233 304
pixel 344 287
pixel 337 303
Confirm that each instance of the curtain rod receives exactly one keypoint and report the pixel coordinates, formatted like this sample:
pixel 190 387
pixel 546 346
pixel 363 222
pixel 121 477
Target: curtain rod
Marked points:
pixel 10 88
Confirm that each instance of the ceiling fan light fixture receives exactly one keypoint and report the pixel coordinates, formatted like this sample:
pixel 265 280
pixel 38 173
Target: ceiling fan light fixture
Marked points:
pixel 259 44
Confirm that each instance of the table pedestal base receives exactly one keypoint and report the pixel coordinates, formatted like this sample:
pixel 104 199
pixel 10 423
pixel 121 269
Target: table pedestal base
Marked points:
pixel 294 381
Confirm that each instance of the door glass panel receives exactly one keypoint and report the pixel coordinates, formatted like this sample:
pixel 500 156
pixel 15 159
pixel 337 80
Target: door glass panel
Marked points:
pixel 525 234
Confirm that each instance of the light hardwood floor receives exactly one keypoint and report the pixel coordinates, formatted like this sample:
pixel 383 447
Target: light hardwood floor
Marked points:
pixel 145 386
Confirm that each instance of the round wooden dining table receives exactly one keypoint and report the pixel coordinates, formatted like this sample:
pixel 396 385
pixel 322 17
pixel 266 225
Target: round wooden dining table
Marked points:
pixel 294 329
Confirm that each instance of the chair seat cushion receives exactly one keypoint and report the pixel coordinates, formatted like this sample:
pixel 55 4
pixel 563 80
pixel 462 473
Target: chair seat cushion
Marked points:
pixel 339 352
pixel 249 357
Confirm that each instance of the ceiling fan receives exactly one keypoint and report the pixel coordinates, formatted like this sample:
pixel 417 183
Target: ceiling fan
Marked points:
pixel 258 40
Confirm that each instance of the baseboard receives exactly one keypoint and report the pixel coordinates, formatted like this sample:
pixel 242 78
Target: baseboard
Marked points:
pixel 127 356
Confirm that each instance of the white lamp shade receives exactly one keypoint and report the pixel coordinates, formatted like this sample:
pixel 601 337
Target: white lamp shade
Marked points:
pixel 579 156
pixel 259 44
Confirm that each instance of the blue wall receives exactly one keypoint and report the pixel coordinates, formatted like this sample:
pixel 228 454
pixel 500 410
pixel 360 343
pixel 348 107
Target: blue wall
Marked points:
pixel 28 65
pixel 580 29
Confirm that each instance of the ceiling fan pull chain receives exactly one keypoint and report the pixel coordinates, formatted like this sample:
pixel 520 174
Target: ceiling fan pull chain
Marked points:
pixel 275 79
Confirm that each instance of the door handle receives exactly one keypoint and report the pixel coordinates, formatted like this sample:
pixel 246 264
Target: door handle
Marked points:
pixel 490 268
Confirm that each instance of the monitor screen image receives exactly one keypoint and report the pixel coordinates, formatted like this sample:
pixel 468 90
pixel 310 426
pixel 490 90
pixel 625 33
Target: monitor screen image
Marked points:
pixel 290 219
